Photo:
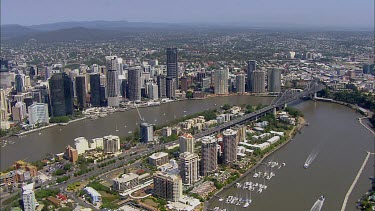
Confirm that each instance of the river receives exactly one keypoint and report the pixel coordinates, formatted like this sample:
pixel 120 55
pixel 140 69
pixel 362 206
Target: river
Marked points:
pixel 33 146
pixel 341 141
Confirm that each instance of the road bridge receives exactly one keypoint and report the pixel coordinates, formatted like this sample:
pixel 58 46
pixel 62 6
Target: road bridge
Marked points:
pixel 278 102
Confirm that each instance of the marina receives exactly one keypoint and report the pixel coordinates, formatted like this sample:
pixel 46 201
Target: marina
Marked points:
pixel 330 174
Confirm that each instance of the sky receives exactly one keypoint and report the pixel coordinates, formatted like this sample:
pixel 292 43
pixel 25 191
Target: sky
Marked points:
pixel 338 13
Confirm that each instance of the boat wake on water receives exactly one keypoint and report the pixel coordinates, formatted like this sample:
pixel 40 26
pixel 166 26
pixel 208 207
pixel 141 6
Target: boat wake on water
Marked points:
pixel 318 204
pixel 311 158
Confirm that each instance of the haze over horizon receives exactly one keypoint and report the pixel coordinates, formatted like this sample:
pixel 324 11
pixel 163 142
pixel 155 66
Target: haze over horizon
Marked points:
pixel 318 13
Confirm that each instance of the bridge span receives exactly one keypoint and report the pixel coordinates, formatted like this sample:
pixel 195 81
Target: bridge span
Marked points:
pixel 278 102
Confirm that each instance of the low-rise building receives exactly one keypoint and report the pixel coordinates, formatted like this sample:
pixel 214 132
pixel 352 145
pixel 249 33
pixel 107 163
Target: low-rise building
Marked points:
pixel 158 159
pixel 94 195
pixel 126 182
pixel 82 145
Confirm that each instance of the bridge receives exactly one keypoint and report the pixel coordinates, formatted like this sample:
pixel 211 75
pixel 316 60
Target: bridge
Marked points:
pixel 278 102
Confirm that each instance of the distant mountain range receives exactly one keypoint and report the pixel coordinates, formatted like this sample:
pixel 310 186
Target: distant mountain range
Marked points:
pixel 104 30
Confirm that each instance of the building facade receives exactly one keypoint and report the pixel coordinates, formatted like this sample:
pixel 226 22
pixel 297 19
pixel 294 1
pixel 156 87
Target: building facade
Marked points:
pixel 209 155
pixel 240 83
pixel 167 186
pixel 111 144
pixel 134 83
pixel 38 113
pixel 274 80
pixel 258 80
pixel 61 94
pixel 251 67
pixel 189 168
pixel 186 143
pixel 172 64
pixel 147 132
pixel 81 91
pixel 230 143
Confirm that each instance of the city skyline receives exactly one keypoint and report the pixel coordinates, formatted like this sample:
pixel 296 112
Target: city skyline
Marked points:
pixel 352 14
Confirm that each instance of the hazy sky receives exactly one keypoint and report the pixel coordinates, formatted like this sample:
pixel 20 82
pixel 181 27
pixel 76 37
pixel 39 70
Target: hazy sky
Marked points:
pixel 348 13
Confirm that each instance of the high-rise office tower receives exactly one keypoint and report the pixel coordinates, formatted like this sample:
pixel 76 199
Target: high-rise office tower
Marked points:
pixel 28 197
pixel 103 96
pixel 186 143
pixel 209 155
pixel 81 91
pixel 38 113
pixel 112 83
pixel 95 90
pixel 184 84
pixel 221 81
pixel 230 146
pixel 3 106
pixel 170 87
pixel 172 64
pixel 146 132
pixel 134 83
pixel 188 166
pixel 167 186
pixel 162 86
pixel 153 91
pixel 274 80
pixel 18 83
pixel 61 92
pixel 240 83
pixel 251 67
pixel 258 79
pixel 124 88
pixel 113 88
pixel 200 77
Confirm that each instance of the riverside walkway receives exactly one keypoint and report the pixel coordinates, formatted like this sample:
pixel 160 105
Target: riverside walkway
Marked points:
pixel 355 181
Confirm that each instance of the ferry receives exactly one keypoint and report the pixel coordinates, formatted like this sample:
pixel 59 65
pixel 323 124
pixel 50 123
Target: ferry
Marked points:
pixel 322 198
pixel 305 166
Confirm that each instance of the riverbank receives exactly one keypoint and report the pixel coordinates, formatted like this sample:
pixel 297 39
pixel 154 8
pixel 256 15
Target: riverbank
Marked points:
pixel 292 133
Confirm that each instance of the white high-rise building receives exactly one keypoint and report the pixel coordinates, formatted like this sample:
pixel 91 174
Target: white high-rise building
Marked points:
pixel 188 166
pixel 258 81
pixel 82 145
pixel 38 113
pixel 28 197
pixel 153 91
pixel 221 81
pixel 187 143
pixel 111 144
pixel 3 106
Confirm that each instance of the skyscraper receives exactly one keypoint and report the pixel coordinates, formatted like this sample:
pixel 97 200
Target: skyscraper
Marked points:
pixel 251 67
pixel 18 83
pixel 112 83
pixel 95 90
pixel 209 155
pixel 240 83
pixel 170 87
pixel 258 79
pixel 172 64
pixel 188 166
pixel 147 132
pixel 162 86
pixel 221 81
pixel 134 83
pixel 61 91
pixel 274 80
pixel 167 186
pixel 230 146
pixel 112 88
pixel 186 143
pixel 81 91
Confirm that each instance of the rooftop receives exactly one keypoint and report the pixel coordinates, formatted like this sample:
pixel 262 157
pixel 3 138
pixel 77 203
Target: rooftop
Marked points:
pixel 158 155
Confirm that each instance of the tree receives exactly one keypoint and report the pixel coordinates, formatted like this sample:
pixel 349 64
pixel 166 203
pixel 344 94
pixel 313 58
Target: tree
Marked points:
pixel 189 94
pixel 226 107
